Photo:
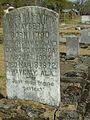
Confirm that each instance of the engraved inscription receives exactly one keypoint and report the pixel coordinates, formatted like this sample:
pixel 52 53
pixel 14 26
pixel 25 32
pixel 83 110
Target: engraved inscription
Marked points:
pixel 31 54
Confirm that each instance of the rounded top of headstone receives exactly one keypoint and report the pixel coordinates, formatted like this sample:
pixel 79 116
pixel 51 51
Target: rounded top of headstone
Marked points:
pixel 34 9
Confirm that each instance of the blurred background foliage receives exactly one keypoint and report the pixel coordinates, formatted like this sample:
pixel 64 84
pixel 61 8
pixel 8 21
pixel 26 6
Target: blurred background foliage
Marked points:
pixel 83 6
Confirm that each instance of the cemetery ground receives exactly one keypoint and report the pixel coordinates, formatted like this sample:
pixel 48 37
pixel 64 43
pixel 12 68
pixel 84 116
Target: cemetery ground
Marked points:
pixel 75 91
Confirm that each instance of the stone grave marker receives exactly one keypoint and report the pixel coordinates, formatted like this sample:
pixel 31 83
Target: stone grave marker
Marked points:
pixel 72 47
pixel 62 39
pixel 32 54
pixel 85 19
pixel 85 37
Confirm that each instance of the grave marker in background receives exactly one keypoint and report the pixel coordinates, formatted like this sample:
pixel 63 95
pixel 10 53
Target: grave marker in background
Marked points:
pixel 62 39
pixel 32 54
pixel 85 36
pixel 72 47
pixel 85 19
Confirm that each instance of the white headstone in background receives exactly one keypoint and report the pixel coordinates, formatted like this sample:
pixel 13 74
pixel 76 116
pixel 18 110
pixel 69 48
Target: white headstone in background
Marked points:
pixel 32 54
pixel 85 19
pixel 72 47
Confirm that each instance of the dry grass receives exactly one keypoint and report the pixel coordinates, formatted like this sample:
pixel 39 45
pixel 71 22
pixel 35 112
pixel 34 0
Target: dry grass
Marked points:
pixel 2 71
pixel 69 32
pixel 1 30
pixel 2 68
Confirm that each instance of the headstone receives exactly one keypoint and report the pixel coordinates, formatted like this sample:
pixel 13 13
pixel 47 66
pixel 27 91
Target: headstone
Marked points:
pixel 62 39
pixel 32 54
pixel 72 47
pixel 85 19
pixel 85 36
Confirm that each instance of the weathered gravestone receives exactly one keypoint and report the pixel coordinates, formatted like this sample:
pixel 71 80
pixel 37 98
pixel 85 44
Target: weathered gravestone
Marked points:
pixel 32 55
pixel 62 39
pixel 85 19
pixel 85 36
pixel 72 47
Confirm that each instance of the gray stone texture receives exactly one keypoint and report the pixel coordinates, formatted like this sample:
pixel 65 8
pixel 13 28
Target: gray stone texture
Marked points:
pixel 85 36
pixel 32 54
pixel 72 47
pixel 62 39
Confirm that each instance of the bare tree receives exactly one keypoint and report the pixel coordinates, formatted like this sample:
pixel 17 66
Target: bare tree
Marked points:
pixel 86 8
pixel 79 4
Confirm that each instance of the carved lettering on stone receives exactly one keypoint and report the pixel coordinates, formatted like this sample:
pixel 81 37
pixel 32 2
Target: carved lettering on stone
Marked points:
pixel 32 54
